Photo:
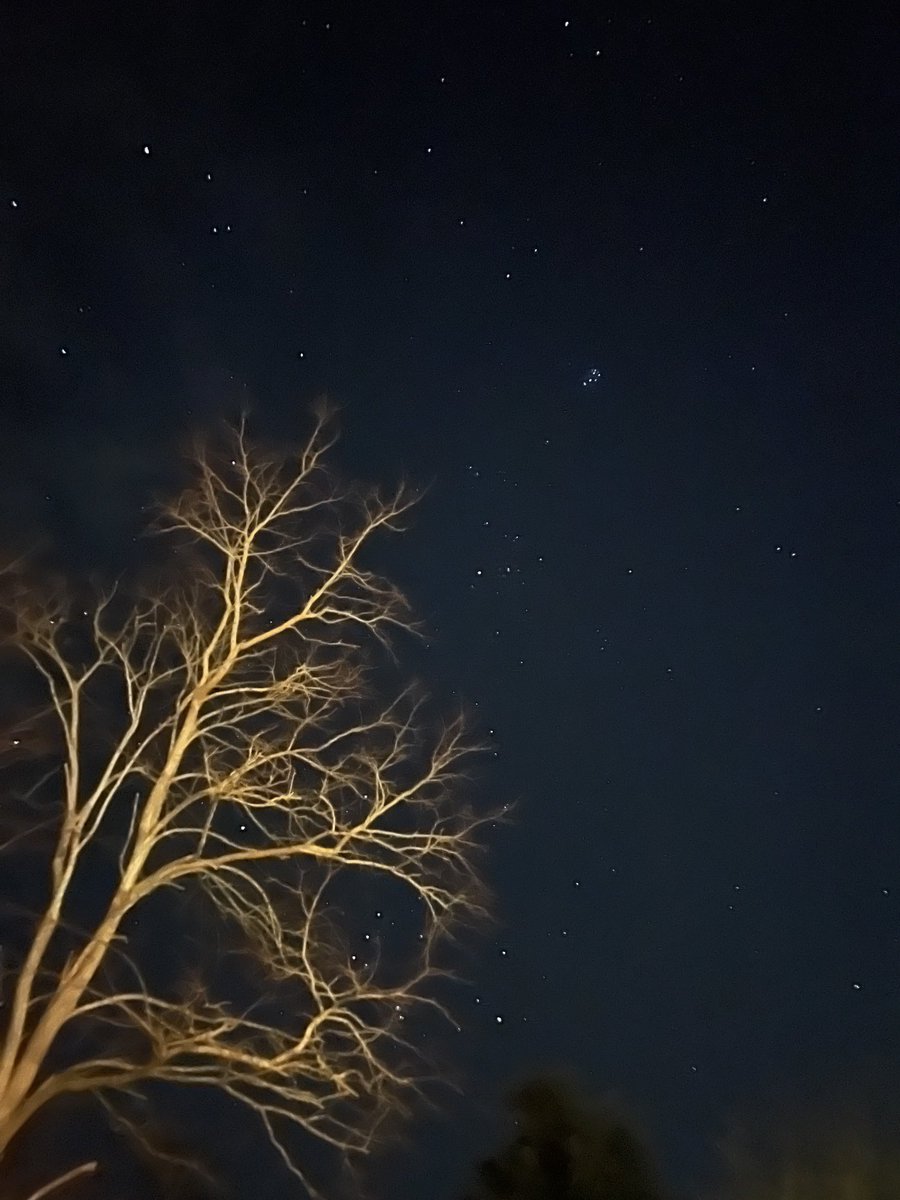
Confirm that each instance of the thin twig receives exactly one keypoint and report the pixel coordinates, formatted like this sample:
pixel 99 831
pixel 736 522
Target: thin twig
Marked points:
pixel 87 1168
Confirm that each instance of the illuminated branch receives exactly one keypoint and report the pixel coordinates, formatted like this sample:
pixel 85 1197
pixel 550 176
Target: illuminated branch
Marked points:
pixel 254 765
pixel 87 1168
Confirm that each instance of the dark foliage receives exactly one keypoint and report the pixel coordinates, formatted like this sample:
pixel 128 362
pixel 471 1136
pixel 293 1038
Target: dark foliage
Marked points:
pixel 566 1150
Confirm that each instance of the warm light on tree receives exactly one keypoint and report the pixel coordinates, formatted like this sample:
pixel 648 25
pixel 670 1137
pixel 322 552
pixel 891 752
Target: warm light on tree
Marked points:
pixel 245 756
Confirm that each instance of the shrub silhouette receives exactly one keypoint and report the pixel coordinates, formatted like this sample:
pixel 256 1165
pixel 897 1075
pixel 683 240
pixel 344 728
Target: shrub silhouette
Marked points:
pixel 567 1151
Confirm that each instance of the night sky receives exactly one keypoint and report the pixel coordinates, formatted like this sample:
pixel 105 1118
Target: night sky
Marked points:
pixel 620 286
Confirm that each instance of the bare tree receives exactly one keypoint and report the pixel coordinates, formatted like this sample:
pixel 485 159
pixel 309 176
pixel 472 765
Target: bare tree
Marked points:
pixel 246 757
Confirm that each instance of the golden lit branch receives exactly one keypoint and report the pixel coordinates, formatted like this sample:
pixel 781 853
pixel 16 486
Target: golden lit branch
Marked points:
pixel 87 1168
pixel 245 757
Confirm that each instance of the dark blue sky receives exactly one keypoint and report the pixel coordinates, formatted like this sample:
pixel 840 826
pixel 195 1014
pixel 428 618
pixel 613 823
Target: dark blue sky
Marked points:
pixel 621 283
